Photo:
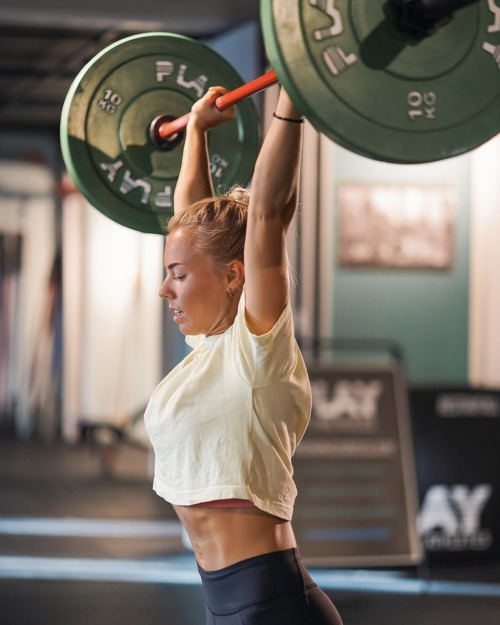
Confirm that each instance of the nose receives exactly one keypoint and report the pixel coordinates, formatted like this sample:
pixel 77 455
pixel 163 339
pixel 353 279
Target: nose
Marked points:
pixel 165 290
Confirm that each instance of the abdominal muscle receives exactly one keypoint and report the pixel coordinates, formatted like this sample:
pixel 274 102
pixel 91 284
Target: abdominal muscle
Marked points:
pixel 223 536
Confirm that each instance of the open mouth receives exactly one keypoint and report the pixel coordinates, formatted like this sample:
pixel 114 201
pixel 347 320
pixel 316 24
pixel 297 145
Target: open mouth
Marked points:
pixel 177 313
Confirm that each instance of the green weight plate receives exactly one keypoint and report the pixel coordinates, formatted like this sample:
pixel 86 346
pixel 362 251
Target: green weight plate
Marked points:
pixel 107 114
pixel 382 93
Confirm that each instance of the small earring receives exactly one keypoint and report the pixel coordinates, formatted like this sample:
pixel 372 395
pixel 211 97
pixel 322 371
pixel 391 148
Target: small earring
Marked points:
pixel 230 293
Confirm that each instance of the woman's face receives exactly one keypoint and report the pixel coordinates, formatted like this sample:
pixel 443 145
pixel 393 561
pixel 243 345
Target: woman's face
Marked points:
pixel 197 296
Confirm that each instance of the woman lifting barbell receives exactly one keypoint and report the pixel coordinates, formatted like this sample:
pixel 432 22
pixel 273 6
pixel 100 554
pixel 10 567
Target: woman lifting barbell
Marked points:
pixel 225 422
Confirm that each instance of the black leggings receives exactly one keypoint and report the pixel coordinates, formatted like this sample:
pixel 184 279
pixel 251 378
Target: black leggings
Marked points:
pixel 271 589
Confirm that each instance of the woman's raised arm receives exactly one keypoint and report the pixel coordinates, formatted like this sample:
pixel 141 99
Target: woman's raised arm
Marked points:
pixel 194 182
pixel 273 201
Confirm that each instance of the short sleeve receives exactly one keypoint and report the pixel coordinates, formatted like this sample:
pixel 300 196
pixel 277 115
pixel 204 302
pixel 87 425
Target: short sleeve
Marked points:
pixel 268 357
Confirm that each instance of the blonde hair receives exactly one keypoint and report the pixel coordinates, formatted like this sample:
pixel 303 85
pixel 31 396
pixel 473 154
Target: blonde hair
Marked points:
pixel 217 225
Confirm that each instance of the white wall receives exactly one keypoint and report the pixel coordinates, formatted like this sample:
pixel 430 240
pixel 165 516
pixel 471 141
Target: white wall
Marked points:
pixel 112 317
pixel 484 345
pixel 27 208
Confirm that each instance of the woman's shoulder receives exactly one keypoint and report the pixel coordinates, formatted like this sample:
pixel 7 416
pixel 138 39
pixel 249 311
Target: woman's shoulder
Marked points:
pixel 283 325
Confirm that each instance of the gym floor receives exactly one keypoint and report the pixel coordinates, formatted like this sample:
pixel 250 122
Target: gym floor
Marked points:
pixel 80 546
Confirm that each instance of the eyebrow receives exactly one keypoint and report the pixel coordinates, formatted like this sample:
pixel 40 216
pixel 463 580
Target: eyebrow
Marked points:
pixel 172 265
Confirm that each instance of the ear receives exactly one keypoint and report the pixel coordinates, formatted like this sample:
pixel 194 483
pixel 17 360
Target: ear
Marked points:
pixel 235 275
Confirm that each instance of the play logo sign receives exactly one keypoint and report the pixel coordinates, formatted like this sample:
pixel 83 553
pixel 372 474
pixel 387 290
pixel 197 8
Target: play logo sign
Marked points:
pixel 450 518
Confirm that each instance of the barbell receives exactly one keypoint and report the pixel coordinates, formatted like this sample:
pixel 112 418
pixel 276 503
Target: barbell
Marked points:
pixel 394 80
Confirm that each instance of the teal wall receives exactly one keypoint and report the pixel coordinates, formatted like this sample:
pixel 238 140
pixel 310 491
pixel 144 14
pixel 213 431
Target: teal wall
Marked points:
pixel 425 311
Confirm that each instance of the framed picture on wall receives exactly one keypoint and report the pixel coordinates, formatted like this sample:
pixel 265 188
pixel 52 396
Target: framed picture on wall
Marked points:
pixel 396 225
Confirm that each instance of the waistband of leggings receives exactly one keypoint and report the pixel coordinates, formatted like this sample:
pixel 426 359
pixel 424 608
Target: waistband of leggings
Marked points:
pixel 253 580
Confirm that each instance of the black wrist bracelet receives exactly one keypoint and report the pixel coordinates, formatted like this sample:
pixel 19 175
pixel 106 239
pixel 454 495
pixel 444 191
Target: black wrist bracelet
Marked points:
pixel 288 119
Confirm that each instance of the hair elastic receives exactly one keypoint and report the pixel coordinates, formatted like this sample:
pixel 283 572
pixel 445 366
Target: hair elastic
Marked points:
pixel 288 119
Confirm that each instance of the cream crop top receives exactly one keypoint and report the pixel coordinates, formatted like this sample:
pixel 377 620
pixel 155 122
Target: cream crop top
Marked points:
pixel 225 421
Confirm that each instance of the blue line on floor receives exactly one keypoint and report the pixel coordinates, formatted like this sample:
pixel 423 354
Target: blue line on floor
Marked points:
pixel 110 528
pixel 183 571
pixel 103 570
